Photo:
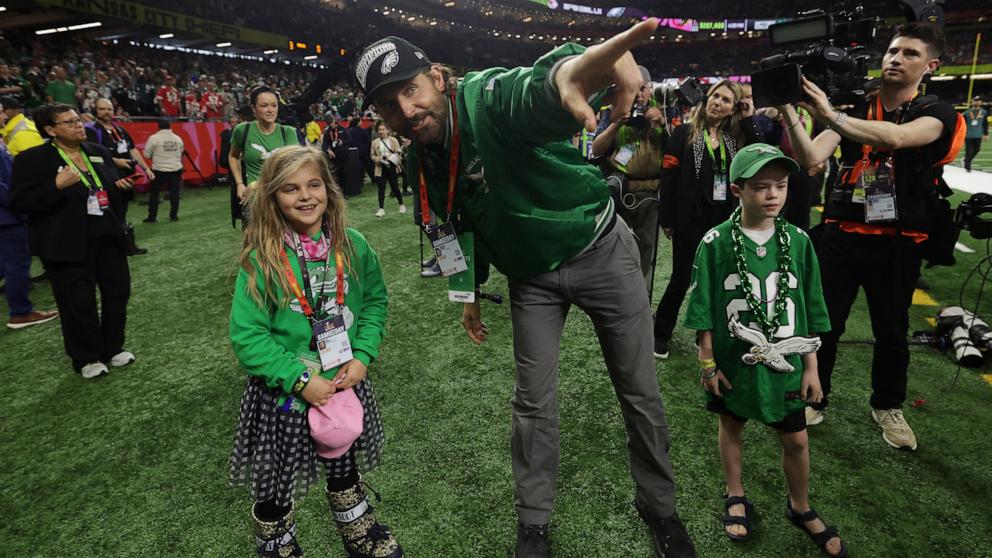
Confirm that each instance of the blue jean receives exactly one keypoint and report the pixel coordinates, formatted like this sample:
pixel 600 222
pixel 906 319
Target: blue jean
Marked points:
pixel 15 268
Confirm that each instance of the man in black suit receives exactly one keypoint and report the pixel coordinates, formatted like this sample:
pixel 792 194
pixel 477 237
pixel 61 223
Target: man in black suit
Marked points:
pixel 72 195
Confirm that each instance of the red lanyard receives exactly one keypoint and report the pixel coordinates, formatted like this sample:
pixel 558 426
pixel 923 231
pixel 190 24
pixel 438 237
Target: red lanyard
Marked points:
pixel 425 209
pixel 303 297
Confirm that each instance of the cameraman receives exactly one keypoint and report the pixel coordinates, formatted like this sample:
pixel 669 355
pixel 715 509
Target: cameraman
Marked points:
pixel 635 144
pixel 880 211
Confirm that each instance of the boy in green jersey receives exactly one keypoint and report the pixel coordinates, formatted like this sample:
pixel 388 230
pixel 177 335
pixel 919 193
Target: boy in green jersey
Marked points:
pixel 756 300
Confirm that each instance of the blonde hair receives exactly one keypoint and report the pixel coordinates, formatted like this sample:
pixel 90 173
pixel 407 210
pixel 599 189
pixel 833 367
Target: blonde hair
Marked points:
pixel 730 124
pixel 264 234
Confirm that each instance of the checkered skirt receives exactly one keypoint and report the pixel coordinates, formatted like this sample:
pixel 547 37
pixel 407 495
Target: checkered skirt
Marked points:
pixel 274 454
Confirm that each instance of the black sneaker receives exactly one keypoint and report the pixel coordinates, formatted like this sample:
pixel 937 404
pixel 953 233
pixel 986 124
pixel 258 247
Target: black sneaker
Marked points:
pixel 149 220
pixel 532 541
pixel 669 536
pixel 661 349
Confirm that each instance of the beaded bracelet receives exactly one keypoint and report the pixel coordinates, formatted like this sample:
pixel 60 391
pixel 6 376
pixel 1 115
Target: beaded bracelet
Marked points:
pixel 708 373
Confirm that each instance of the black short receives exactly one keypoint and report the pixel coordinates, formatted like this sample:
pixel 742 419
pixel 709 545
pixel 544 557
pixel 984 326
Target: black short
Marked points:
pixel 796 422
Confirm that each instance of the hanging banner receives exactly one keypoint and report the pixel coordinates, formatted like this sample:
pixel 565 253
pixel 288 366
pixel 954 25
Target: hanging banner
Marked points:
pixel 140 14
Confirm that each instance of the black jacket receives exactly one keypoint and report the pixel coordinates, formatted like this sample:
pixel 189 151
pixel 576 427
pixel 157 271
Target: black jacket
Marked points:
pixel 686 201
pixel 57 220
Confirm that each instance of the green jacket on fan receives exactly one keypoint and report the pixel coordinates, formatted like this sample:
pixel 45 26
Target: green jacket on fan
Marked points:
pixel 527 194
pixel 268 339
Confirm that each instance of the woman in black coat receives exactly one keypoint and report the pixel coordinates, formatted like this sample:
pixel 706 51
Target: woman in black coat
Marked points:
pixel 695 188
pixel 70 191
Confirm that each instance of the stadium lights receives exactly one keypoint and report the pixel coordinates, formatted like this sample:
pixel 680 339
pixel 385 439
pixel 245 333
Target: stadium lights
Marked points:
pixel 449 4
pixel 434 22
pixel 311 57
pixel 166 36
pixel 271 51
pixel 84 26
pixel 70 28
pixel 223 45
pixel 3 8
pixel 411 18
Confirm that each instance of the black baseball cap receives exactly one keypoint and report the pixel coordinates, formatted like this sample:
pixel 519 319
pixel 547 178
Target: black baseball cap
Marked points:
pixel 388 60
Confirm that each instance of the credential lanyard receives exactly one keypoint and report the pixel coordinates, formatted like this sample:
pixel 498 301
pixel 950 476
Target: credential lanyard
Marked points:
pixel 425 209
pixel 305 297
pixel 723 153
pixel 82 175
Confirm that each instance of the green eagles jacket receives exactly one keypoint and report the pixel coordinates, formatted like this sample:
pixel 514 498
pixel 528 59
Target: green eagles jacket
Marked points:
pixel 529 196
pixel 268 339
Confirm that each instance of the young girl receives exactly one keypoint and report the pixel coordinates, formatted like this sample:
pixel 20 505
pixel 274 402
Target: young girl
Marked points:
pixel 388 158
pixel 302 270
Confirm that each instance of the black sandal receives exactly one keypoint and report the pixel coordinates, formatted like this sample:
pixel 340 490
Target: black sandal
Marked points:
pixel 819 539
pixel 742 520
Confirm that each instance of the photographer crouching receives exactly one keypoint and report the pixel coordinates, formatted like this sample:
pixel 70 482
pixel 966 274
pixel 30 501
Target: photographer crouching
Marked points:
pixel 635 145
pixel 881 211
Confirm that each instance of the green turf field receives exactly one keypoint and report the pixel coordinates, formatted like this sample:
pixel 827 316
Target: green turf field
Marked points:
pixel 982 161
pixel 134 464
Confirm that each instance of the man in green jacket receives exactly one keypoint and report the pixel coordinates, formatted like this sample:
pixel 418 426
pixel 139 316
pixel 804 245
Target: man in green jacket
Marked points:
pixel 543 216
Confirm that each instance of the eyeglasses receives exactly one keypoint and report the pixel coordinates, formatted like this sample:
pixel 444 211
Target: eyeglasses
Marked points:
pixel 74 122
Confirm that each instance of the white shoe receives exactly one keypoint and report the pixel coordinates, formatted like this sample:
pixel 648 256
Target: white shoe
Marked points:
pixel 402 208
pixel 895 430
pixel 94 369
pixel 813 416
pixel 122 358
pixel 380 212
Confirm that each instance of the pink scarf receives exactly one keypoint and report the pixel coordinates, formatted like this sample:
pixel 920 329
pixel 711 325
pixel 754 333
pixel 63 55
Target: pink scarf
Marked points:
pixel 313 250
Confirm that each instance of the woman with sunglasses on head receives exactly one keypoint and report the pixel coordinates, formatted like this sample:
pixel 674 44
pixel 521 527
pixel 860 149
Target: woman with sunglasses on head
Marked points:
pixel 695 188
pixel 70 191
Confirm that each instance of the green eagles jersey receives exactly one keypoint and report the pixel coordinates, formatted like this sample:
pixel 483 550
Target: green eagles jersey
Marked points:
pixel 759 392
pixel 256 147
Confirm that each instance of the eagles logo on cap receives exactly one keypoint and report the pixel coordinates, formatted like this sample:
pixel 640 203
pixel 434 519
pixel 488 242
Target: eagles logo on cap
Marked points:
pixel 388 60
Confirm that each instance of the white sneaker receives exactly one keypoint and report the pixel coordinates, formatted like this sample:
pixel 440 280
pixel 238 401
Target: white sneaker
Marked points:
pixel 402 208
pixel 813 416
pixel 94 369
pixel 380 212
pixel 895 430
pixel 122 358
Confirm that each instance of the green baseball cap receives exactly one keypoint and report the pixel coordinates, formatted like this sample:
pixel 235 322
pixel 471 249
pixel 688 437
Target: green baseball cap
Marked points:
pixel 754 157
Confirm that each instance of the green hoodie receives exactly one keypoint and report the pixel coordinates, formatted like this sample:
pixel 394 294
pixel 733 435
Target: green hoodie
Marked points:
pixel 268 339
pixel 529 196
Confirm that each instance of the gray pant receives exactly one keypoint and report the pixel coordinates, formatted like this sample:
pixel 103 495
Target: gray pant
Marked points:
pixel 640 211
pixel 606 283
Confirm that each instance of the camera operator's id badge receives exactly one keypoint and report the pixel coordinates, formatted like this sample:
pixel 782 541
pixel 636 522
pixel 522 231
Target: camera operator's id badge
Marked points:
pixel 880 194
pixel 333 345
pixel 450 256
pixel 461 286
pixel 122 147
pixel 625 154
pixel 93 206
pixel 719 188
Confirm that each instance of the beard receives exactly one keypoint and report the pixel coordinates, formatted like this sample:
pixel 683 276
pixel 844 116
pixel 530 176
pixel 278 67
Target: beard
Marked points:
pixel 430 124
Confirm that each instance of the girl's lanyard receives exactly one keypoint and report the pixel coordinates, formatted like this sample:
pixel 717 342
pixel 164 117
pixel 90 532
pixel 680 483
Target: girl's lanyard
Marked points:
pixel 97 200
pixel 305 294
pixel 719 175
pixel 447 250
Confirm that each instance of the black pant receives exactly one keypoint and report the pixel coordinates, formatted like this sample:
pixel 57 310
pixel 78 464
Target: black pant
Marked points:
pixel 887 268
pixel 388 173
pixel 88 336
pixel 799 200
pixel 171 180
pixel 684 243
pixel 971 148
